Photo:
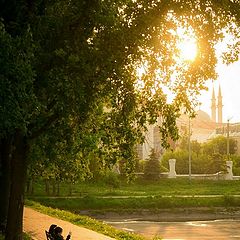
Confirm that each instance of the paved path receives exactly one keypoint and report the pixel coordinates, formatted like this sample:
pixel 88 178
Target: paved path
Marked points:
pixel 143 196
pixel 36 223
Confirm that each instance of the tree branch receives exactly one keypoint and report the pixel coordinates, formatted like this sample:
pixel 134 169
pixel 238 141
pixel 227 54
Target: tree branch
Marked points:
pixel 44 127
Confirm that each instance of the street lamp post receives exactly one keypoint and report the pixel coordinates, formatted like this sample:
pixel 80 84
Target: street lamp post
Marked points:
pixel 189 150
pixel 228 152
pixel 228 157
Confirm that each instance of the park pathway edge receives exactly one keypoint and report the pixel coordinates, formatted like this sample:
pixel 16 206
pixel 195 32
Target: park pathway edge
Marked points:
pixel 35 224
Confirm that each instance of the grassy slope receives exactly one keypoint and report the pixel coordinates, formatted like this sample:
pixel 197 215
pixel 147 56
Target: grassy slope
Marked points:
pixel 144 188
pixel 152 195
pixel 129 204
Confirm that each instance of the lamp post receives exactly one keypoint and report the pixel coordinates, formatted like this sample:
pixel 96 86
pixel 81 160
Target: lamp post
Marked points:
pixel 228 139
pixel 228 152
pixel 189 150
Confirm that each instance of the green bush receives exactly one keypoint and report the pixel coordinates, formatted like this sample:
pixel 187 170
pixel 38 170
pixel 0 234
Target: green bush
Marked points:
pixel 236 164
pixel 112 179
pixel 140 165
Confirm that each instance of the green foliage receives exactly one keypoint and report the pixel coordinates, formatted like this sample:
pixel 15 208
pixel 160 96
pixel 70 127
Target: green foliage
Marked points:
pixel 152 168
pixel 140 165
pixel 69 73
pixel 217 163
pixel 129 204
pixel 86 56
pixel 17 82
pixel 181 157
pixel 209 157
pixel 236 164
pixel 160 187
pixel 218 145
pixel 157 238
pixel 61 60
pixel 26 236
pixel 111 179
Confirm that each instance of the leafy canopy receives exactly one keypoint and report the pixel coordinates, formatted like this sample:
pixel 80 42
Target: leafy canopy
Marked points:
pixel 61 60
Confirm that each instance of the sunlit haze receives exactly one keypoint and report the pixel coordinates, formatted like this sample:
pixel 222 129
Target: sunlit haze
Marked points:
pixel 188 49
pixel 186 44
pixel 229 80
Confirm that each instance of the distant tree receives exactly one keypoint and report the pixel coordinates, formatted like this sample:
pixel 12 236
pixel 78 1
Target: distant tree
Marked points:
pixel 152 168
pixel 236 164
pixel 218 145
pixel 209 157
pixel 217 163
pixel 181 157
pixel 216 150
pixel 183 142
pixel 201 163
pixel 196 147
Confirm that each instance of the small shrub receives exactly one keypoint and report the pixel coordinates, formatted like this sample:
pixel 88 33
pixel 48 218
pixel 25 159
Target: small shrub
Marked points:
pixel 112 179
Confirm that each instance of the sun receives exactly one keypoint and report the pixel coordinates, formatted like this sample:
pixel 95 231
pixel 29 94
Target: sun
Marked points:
pixel 186 44
pixel 188 49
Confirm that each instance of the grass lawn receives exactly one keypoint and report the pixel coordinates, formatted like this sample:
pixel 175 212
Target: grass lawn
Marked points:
pixel 144 195
pixel 129 204
pixel 146 188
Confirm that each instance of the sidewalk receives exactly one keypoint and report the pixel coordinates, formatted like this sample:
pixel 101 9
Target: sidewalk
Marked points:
pixel 35 224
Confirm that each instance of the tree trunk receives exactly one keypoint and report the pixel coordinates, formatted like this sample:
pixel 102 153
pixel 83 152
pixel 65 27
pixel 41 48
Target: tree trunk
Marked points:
pixel 5 158
pixel 32 186
pixel 58 188
pixel 29 187
pixel 53 188
pixel 18 178
pixel 47 187
pixel 70 189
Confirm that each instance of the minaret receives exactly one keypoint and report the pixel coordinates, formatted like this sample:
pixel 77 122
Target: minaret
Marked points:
pixel 220 105
pixel 213 107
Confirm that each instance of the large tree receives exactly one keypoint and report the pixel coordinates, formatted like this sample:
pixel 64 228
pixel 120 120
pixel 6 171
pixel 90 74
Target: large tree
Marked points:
pixel 60 59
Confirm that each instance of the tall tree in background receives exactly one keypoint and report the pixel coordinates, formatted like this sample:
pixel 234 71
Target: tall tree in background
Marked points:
pixel 61 59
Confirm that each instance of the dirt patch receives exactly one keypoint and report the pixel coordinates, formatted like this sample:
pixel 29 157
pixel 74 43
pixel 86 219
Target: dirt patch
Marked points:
pixel 167 215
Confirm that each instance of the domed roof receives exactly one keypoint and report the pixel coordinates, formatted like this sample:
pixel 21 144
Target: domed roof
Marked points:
pixel 203 116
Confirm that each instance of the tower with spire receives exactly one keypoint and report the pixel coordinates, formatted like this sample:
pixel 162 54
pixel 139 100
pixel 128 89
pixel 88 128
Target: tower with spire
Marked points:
pixel 213 107
pixel 220 105
pixel 217 108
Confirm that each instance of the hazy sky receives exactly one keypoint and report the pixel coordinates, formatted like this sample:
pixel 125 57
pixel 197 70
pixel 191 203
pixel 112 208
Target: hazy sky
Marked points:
pixel 229 79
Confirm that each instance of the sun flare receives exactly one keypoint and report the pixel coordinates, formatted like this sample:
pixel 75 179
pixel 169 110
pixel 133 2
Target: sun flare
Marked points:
pixel 187 48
